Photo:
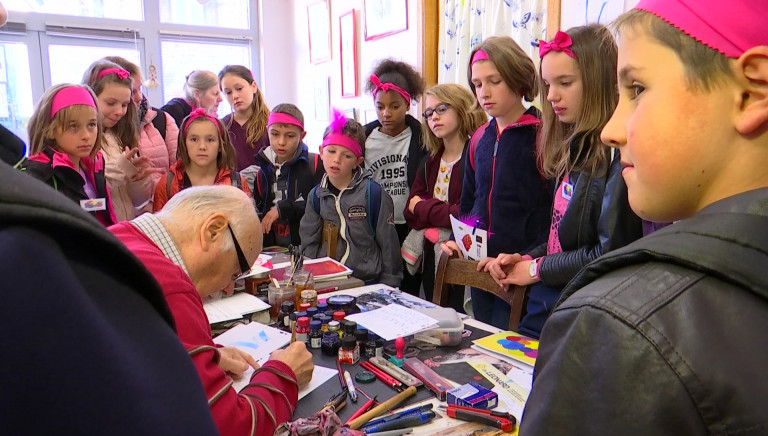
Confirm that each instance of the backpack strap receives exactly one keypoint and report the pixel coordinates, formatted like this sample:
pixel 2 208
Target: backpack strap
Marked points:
pixel 373 197
pixel 315 200
pixel 235 180
pixel 159 121
pixel 473 143
pixel 168 181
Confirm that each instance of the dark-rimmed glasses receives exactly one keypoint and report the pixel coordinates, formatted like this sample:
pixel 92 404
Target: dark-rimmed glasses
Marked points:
pixel 245 267
pixel 439 109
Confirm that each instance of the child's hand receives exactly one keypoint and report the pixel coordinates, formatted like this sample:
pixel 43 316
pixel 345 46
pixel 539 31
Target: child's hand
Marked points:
pixel 449 247
pixel 500 266
pixel 413 202
pixel 269 218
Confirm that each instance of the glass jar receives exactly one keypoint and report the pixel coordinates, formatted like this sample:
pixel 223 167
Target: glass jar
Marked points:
pixel 330 344
pixel 349 351
pixel 315 334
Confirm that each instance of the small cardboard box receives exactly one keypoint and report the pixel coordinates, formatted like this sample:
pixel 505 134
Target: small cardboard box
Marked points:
pixel 473 395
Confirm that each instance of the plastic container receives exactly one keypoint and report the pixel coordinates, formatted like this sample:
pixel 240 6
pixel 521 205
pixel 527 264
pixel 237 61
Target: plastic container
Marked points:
pixel 449 331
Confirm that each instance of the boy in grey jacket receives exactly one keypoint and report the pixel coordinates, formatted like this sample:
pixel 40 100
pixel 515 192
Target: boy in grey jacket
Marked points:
pixel 347 200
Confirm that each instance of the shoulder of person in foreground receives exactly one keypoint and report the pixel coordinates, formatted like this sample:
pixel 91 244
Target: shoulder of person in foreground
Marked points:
pixel 100 369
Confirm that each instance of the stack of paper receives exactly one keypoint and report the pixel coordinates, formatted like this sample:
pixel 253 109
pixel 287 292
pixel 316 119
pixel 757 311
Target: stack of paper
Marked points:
pixel 510 345
pixel 394 320
pixel 233 307
pixel 260 341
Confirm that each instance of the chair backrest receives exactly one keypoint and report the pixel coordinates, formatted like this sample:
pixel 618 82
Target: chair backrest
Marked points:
pixel 454 271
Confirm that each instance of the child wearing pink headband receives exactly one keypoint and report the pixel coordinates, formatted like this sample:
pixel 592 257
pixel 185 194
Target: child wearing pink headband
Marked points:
pixel 284 174
pixel 393 146
pixel 348 215
pixel 659 337
pixel 65 140
pixel 205 157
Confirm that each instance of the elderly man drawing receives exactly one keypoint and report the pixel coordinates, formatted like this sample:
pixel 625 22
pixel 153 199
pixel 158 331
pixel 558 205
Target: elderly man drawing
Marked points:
pixel 203 238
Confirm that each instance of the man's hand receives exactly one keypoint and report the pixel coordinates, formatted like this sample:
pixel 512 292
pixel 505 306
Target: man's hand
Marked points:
pixel 269 218
pixel 519 275
pixel 299 359
pixel 235 361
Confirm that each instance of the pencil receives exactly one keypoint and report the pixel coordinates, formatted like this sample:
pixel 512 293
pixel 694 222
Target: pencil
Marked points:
pixel 383 407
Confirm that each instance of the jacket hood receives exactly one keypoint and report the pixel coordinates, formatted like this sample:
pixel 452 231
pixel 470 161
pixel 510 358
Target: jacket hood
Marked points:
pixel 302 152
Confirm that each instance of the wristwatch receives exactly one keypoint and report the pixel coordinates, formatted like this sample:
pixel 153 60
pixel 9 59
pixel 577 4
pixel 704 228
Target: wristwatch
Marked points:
pixel 533 269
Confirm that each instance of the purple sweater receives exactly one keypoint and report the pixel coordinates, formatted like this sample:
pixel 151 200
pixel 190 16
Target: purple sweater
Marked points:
pixel 246 155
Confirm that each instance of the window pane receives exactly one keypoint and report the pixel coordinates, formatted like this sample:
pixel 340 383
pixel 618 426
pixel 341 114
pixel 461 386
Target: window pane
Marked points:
pixel 16 104
pixel 216 13
pixel 181 58
pixel 122 9
pixel 69 62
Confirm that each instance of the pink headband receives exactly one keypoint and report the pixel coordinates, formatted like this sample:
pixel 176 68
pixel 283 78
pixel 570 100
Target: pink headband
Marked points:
pixel 283 118
pixel 729 27
pixel 389 87
pixel 200 113
pixel 71 96
pixel 561 42
pixel 336 137
pixel 119 72
pixel 480 55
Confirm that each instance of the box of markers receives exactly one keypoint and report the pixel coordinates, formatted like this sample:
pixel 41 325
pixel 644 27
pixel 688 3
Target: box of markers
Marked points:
pixel 473 395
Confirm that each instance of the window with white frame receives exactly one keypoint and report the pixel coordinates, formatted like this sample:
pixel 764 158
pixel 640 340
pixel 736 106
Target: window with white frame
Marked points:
pixel 47 42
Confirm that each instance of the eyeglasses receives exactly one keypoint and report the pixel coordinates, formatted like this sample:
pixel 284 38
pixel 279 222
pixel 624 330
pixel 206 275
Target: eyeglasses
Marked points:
pixel 439 109
pixel 245 267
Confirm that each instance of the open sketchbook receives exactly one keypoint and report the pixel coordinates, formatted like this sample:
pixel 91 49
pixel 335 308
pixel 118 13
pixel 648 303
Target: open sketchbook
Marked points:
pixel 260 341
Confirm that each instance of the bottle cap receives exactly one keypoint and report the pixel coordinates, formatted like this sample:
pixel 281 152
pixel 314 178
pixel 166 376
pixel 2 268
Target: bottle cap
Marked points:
pixel 315 324
pixel 333 325
pixel 303 321
pixel 308 294
pixel 361 334
pixel 311 311
pixel 287 306
pixel 338 315
pixel 304 306
pixel 348 342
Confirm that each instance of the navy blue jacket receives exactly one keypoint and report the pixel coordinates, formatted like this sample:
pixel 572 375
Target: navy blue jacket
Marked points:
pixel 504 189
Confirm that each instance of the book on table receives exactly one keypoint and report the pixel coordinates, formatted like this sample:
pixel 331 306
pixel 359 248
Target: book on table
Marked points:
pixel 510 345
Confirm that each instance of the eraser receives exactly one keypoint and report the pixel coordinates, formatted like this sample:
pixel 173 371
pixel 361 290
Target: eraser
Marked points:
pixel 473 395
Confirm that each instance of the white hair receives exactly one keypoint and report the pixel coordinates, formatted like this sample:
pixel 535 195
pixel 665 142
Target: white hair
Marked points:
pixel 199 80
pixel 191 206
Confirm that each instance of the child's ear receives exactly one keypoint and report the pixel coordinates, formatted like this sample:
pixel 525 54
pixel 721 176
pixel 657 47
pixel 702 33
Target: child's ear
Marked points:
pixel 303 134
pixel 751 70
pixel 360 160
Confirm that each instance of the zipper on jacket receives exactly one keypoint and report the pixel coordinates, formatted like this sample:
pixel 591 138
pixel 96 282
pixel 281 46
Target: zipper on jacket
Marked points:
pixel 342 226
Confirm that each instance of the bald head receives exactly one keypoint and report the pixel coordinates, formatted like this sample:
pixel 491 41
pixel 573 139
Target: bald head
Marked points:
pixel 198 219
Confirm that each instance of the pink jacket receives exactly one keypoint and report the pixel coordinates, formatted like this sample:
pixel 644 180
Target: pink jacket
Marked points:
pixel 161 152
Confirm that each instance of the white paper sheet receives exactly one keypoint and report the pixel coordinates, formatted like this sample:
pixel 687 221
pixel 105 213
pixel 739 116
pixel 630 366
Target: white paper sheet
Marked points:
pixel 393 320
pixel 233 307
pixel 320 375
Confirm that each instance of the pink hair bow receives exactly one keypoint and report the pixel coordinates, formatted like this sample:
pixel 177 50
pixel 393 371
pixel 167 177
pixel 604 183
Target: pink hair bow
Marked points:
pixel 119 72
pixel 389 87
pixel 561 42
pixel 200 113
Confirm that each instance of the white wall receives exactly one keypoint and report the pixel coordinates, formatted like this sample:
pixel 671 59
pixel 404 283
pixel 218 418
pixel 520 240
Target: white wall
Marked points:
pixel 289 76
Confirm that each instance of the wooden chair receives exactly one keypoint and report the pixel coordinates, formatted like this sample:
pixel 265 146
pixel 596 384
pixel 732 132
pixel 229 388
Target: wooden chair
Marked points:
pixel 454 271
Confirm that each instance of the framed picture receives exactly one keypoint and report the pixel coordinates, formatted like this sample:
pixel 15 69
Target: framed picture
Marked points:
pixel 369 115
pixel 319 25
pixel 385 17
pixel 322 98
pixel 348 44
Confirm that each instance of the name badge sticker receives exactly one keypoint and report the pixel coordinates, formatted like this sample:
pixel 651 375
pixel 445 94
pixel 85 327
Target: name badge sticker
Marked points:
pixel 567 191
pixel 94 204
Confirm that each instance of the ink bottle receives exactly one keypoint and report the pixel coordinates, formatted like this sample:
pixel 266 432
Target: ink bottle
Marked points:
pixel 322 306
pixel 349 328
pixel 361 335
pixel 379 347
pixel 315 334
pixel 333 326
pixel 302 329
pixel 349 351
pixel 283 318
pixel 311 311
pixel 309 296
pixel 339 315
pixel 324 320
pixel 330 344
pixel 370 345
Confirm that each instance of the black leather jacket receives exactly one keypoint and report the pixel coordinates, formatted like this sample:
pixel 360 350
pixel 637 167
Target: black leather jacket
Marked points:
pixel 666 336
pixel 598 220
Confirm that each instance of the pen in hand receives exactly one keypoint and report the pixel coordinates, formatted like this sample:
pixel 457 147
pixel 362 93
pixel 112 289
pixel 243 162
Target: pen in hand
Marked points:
pixel 350 386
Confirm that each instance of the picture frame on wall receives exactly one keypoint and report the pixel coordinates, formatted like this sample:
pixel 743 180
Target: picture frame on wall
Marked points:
pixel 384 17
pixel 319 27
pixel 322 98
pixel 348 43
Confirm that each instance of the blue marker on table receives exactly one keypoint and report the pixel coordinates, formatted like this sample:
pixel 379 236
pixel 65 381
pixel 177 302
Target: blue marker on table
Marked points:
pixel 404 422
pixel 477 223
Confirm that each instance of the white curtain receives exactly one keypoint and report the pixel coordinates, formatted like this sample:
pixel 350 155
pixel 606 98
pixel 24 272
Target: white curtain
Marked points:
pixel 465 23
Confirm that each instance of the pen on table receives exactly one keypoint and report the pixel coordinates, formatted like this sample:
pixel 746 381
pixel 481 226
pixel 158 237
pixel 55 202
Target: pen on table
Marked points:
pixel 404 413
pixel 368 404
pixel 341 375
pixel 398 432
pixel 381 375
pixel 327 290
pixel 404 422
pixel 350 386
pixel 383 407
